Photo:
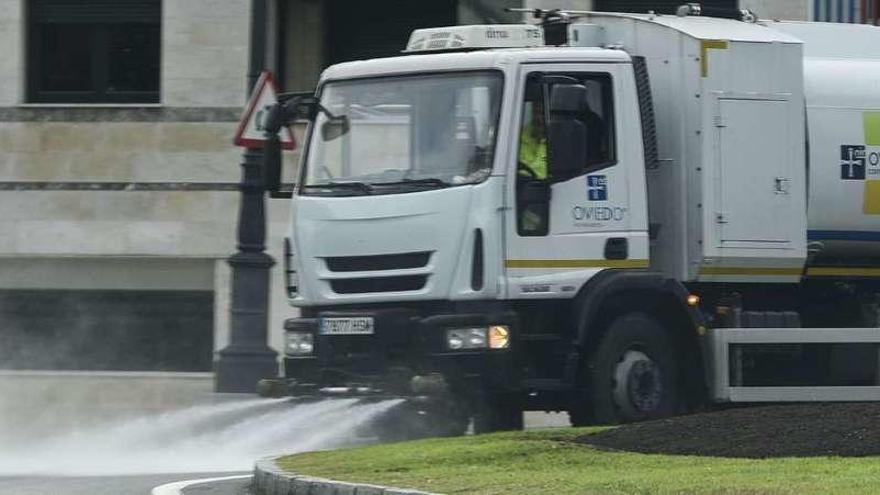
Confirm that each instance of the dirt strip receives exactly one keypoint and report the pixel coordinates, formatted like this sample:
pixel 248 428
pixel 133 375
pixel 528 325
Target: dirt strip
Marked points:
pixel 794 430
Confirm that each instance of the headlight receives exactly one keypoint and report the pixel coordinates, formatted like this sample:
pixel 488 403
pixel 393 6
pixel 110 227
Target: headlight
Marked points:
pixel 299 343
pixel 492 337
pixel 499 337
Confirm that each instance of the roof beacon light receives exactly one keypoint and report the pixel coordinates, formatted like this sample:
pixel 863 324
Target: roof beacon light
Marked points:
pixel 460 38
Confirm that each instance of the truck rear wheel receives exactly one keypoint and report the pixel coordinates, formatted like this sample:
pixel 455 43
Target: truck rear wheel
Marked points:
pixel 631 376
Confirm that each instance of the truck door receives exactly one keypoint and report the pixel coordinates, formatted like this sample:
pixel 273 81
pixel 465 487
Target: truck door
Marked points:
pixel 563 230
pixel 755 173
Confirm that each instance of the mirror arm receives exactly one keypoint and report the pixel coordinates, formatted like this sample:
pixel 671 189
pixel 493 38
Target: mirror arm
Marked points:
pixel 277 118
pixel 326 112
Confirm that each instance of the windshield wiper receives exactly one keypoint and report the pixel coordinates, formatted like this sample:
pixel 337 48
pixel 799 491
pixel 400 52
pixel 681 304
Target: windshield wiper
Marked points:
pixel 428 181
pixel 354 186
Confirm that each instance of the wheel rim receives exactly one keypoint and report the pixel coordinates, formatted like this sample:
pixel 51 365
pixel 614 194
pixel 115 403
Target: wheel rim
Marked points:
pixel 638 384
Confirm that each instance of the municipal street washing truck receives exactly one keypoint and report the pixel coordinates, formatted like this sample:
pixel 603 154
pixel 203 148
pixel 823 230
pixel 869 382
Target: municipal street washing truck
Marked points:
pixel 620 216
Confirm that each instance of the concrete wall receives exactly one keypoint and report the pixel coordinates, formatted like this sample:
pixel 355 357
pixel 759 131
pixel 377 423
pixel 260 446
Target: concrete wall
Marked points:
pixel 789 10
pixel 12 60
pixel 558 4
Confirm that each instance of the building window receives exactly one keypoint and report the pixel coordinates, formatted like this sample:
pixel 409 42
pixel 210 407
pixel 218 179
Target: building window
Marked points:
pixel 95 51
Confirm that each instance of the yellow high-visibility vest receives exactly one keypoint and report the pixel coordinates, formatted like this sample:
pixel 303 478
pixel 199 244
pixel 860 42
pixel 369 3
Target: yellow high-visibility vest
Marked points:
pixel 533 153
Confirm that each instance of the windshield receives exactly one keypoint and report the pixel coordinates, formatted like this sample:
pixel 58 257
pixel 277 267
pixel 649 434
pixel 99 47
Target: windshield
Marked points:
pixel 402 133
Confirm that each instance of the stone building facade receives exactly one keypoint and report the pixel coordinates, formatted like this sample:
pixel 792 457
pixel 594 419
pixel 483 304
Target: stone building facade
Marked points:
pixel 117 214
pixel 118 177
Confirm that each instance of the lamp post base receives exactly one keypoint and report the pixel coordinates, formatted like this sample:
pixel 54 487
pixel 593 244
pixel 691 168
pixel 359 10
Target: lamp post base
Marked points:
pixel 247 359
pixel 239 369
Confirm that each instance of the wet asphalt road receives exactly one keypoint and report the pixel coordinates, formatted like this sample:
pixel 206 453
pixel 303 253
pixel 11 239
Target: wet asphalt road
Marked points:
pixel 111 485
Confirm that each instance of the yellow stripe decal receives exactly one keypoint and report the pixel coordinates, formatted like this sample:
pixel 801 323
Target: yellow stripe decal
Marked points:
pixel 821 271
pixel 872 128
pixel 705 46
pixel 872 198
pixel 577 263
pixel 743 270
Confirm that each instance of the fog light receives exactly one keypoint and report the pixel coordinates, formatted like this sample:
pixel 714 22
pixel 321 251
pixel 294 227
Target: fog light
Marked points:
pixel 299 343
pixel 499 337
pixel 466 338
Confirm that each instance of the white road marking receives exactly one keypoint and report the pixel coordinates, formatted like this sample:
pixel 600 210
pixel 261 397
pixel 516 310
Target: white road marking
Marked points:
pixel 177 487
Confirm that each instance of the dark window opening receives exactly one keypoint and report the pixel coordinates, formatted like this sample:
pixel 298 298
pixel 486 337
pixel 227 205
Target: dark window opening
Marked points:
pixel 381 28
pixel 94 52
pixel 107 330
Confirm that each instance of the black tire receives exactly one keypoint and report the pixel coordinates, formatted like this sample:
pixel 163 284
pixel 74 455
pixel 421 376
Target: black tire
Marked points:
pixel 498 414
pixel 632 374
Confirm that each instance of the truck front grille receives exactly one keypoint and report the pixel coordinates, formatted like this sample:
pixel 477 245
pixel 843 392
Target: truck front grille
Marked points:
pixel 378 284
pixel 400 261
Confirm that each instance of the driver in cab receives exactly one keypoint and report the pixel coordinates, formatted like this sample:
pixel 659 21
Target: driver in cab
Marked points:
pixel 533 142
pixel 532 163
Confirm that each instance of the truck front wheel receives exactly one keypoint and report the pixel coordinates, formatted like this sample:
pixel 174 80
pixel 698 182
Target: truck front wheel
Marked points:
pixel 631 376
pixel 498 413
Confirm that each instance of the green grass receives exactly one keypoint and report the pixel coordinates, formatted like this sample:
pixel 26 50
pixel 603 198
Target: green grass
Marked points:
pixel 548 462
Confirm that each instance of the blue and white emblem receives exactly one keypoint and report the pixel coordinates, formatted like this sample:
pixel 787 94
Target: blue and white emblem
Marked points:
pixel 597 188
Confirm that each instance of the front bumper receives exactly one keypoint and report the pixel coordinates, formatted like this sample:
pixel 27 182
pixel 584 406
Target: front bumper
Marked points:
pixel 406 355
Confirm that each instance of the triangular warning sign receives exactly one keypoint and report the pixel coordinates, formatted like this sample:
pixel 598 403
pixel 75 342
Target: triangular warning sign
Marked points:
pixel 250 131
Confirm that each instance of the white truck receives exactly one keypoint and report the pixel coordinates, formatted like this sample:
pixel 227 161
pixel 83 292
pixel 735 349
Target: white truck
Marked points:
pixel 616 215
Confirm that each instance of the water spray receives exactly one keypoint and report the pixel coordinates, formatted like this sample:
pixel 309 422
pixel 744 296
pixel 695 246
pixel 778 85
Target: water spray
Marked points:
pixel 228 436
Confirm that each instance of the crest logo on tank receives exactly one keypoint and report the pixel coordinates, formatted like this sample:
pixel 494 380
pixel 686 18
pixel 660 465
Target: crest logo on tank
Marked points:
pixel 861 162
pixel 852 162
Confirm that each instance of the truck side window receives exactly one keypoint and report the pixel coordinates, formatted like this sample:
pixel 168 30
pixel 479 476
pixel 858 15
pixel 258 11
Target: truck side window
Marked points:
pixel 532 175
pixel 532 184
pixel 599 120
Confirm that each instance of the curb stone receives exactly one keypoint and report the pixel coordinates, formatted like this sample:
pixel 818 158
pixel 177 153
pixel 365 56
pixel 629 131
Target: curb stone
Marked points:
pixel 269 479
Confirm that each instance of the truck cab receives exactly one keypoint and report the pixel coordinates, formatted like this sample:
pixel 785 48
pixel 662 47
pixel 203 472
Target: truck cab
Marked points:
pixel 449 204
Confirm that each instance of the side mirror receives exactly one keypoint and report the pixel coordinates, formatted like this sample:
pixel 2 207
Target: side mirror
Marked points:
pixel 566 131
pixel 272 149
pixel 335 127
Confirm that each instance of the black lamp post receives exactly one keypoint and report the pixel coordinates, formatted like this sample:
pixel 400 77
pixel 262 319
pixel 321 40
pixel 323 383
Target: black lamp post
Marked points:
pixel 248 357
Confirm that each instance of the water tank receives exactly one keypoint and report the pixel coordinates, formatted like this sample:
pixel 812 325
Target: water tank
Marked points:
pixel 842 92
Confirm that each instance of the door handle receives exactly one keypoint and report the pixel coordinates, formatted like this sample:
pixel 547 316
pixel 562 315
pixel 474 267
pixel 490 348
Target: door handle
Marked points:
pixel 617 248
pixel 781 185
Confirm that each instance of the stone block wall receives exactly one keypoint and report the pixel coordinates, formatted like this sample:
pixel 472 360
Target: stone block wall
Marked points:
pixel 100 191
pixel 204 52
pixel 12 53
pixel 788 10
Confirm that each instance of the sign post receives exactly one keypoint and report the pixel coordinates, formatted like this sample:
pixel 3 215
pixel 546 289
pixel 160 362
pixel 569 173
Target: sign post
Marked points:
pixel 251 132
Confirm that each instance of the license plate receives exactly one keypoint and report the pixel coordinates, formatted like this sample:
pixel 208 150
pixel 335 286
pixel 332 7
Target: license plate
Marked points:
pixel 357 325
